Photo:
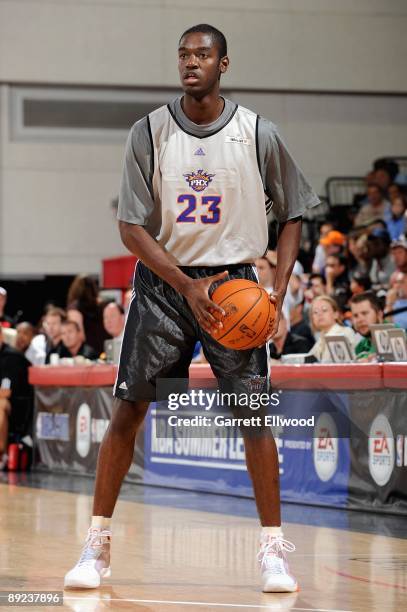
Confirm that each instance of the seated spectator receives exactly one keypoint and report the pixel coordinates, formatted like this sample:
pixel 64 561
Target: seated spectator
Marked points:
pixel 378 244
pixel 325 317
pixel 52 325
pixel 385 172
pixel 286 343
pixel 396 219
pixel 396 301
pixel 360 283
pixel 114 319
pixel 395 191
pixel 316 286
pixel 32 346
pixel 320 257
pixel 76 316
pixel 337 279
pixel 376 207
pixel 83 297
pixel 298 325
pixel 266 270
pixel 15 395
pixel 72 342
pixel 5 321
pixel 333 243
pixel 358 252
pixel 366 310
pixel 398 251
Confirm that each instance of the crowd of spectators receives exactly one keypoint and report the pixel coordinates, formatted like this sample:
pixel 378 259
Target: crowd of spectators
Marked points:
pixel 357 278
pixel 74 334
pixel 358 274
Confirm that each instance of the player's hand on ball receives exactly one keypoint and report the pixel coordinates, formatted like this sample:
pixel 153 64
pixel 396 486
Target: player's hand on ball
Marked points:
pixel 197 296
pixel 277 300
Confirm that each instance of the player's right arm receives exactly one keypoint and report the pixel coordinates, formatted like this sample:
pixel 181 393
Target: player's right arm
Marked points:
pixel 137 209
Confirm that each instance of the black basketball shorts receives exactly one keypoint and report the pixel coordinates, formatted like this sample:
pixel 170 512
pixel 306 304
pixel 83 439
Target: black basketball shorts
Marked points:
pixel 161 333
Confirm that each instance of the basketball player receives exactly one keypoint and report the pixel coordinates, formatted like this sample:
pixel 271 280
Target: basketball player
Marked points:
pixel 199 177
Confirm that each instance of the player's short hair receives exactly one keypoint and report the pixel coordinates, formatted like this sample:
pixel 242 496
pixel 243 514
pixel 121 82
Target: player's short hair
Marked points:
pixel 367 296
pixel 217 36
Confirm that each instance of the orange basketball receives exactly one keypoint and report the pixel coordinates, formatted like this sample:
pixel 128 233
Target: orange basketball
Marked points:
pixel 249 314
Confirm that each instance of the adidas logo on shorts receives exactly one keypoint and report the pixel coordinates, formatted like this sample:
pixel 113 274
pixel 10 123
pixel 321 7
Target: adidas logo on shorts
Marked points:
pixel 123 386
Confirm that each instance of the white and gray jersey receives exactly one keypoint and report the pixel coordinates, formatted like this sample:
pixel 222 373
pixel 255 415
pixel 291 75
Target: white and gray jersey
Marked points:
pixel 203 191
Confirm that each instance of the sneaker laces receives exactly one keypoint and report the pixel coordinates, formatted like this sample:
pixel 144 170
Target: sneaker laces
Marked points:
pixel 94 542
pixel 272 553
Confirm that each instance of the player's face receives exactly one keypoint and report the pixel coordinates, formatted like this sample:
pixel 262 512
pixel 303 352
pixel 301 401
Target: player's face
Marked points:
pixel 199 64
pixel 363 315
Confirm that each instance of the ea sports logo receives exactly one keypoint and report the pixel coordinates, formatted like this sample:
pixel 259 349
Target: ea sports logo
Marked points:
pixel 381 450
pixel 83 430
pixel 325 447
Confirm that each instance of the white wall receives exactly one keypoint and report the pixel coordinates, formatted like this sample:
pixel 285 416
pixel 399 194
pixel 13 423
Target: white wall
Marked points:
pixel 55 214
pixel 348 45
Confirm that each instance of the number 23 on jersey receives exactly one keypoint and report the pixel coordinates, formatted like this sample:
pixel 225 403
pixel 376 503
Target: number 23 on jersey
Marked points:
pixel 190 214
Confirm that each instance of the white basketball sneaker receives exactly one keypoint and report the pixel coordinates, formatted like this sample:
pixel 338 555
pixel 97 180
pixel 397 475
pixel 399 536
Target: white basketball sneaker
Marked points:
pixel 94 563
pixel 275 573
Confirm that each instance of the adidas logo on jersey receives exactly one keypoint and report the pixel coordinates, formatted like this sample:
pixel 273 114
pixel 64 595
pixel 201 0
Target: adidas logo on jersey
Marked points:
pixel 200 151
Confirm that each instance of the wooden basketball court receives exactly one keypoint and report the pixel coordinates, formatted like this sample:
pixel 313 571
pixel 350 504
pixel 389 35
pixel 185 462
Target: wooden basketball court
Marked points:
pixel 167 559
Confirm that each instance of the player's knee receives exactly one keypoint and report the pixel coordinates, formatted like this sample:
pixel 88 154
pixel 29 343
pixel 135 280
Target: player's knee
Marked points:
pixel 127 417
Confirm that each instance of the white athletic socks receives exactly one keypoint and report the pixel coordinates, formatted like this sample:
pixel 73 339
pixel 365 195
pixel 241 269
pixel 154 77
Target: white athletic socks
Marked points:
pixel 273 531
pixel 100 522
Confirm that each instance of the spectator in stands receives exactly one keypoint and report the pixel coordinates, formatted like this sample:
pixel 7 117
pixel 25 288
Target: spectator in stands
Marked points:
pixel 366 311
pixel 15 395
pixel 266 270
pixel 376 207
pixel 337 280
pixel 333 243
pixel 26 343
pixel 396 301
pixel 53 330
pixel 396 219
pixel 320 256
pixel 360 283
pixel 83 296
pixel 5 321
pixel 285 342
pixel 114 319
pixel 298 325
pixel 378 244
pixel 359 261
pixel 72 341
pixel 398 252
pixel 76 315
pixel 325 317
pixel 385 172
pixel 316 286
pixel 395 191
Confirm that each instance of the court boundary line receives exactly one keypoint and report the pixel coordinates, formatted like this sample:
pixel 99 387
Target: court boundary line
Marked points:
pixel 363 579
pixel 202 603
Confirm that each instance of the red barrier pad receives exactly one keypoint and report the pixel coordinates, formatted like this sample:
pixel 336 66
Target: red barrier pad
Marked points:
pixel 97 375
pixel 327 376
pixel 395 375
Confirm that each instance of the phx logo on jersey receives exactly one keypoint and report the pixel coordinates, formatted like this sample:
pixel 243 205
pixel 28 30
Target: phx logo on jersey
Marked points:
pixel 198 180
